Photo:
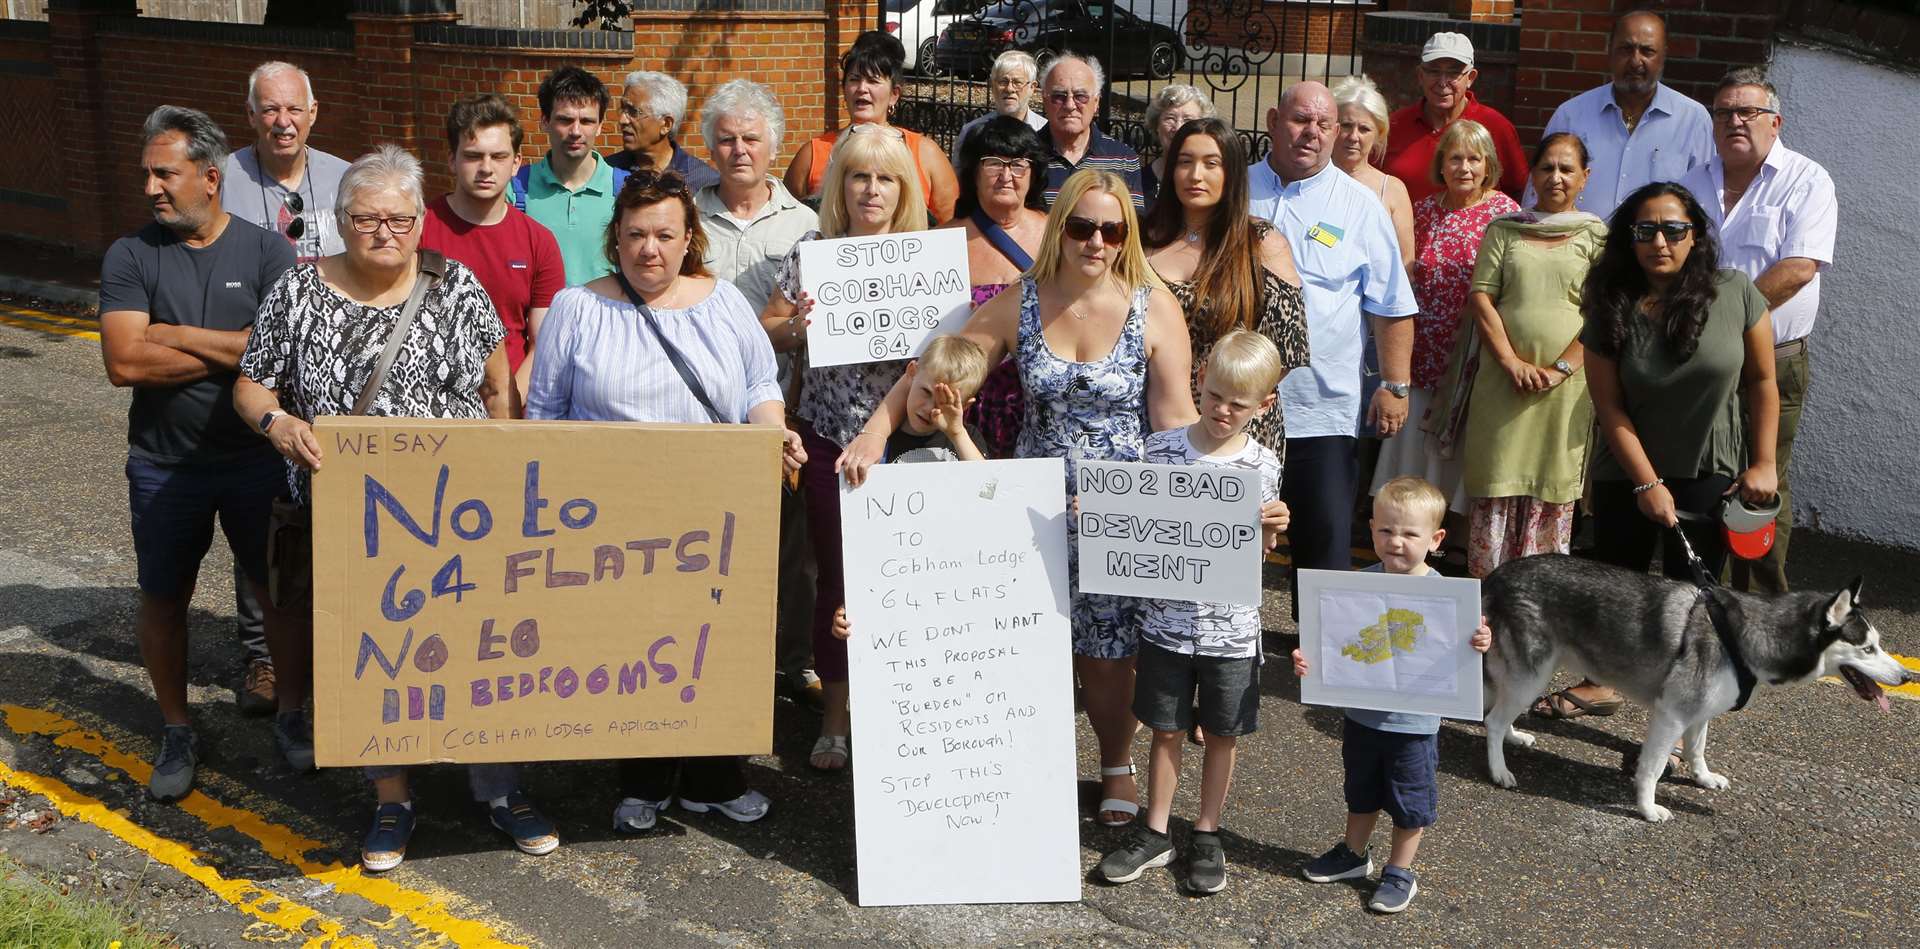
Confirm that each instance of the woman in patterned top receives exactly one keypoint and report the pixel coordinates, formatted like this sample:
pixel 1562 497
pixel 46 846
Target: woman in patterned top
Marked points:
pixel 320 331
pixel 1103 353
pixel 1447 229
pixel 1003 206
pixel 870 189
pixel 1228 269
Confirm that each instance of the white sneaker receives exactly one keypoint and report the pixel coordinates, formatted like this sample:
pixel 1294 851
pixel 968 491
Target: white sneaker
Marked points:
pixel 746 808
pixel 635 816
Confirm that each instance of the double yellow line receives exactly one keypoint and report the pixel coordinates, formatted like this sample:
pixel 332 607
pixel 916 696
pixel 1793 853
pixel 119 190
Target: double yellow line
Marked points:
pixel 41 321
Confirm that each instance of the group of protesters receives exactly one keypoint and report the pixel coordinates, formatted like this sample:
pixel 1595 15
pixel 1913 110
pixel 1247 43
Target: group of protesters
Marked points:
pixel 1621 316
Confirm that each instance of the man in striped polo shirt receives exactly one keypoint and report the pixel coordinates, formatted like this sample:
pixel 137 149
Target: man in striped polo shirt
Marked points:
pixel 1070 86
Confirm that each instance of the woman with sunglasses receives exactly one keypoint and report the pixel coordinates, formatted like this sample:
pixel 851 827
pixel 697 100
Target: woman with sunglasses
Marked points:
pixel 1103 353
pixel 870 189
pixel 604 355
pixel 1679 360
pixel 870 77
pixel 1004 210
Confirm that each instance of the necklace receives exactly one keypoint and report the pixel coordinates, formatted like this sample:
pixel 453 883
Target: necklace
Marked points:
pixel 1193 237
pixel 1073 310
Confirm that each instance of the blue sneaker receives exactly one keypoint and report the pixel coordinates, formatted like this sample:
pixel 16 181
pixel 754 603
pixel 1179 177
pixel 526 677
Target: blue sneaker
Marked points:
pixel 1340 863
pixel 1396 892
pixel 386 843
pixel 531 831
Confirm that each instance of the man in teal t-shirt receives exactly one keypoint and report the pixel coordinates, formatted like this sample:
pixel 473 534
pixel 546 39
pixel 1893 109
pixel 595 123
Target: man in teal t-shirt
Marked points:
pixel 571 190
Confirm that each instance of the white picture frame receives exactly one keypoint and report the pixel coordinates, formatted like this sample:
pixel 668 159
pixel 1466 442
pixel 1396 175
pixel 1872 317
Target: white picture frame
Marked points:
pixel 1445 681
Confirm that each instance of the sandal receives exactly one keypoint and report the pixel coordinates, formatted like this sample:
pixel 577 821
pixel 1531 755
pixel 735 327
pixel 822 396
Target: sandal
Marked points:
pixel 1114 805
pixel 833 748
pixel 1564 704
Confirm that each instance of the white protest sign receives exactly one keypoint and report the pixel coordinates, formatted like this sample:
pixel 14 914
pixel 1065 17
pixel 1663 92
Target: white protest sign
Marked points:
pixel 881 298
pixel 962 681
pixel 1390 642
pixel 1172 532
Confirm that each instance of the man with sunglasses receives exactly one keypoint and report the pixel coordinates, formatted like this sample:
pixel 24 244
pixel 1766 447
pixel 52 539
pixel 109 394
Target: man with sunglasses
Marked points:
pixel 1070 87
pixel 279 182
pixel 1446 76
pixel 1775 215
pixel 1637 129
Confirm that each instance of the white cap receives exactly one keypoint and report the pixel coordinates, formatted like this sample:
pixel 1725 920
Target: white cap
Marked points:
pixel 1448 46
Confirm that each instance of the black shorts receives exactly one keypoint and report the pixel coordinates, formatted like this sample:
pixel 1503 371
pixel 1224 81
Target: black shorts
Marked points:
pixel 1392 772
pixel 174 508
pixel 1165 684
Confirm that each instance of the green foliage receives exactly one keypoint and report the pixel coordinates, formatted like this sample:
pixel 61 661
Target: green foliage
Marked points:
pixel 605 14
pixel 35 914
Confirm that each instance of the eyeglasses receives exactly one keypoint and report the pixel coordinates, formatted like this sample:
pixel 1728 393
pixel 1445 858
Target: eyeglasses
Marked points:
pixel 1449 75
pixel 1673 231
pixel 1017 167
pixel 865 127
pixel 1082 229
pixel 1009 82
pixel 1062 96
pixel 298 225
pixel 370 223
pixel 1745 113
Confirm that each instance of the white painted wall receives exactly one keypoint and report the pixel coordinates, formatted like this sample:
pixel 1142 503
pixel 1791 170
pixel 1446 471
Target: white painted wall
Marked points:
pixel 1856 467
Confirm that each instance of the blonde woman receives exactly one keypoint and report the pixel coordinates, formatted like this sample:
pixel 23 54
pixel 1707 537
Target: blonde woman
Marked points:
pixel 1103 352
pixel 870 188
pixel 1447 227
pixel 1362 143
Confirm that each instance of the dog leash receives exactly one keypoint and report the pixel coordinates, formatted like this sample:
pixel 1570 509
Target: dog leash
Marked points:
pixel 1704 584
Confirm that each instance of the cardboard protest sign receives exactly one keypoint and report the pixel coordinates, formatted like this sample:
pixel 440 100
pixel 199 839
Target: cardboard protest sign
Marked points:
pixel 521 591
pixel 881 298
pixel 962 683
pixel 1390 642
pixel 1172 532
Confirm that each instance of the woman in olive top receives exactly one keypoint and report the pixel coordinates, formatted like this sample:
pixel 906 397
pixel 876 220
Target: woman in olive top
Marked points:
pixel 1676 349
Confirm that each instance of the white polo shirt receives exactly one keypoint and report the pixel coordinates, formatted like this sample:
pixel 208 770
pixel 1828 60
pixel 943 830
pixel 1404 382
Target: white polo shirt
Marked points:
pixel 1673 137
pixel 1788 211
pixel 1348 256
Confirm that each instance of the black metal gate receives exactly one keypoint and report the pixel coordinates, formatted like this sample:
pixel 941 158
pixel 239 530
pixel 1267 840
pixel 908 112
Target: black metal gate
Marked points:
pixel 1240 53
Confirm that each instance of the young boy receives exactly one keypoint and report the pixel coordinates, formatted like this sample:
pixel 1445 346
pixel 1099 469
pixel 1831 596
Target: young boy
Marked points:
pixel 1212 649
pixel 1390 756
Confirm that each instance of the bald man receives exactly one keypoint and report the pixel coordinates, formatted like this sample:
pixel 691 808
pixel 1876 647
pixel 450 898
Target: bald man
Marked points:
pixel 1637 129
pixel 1345 247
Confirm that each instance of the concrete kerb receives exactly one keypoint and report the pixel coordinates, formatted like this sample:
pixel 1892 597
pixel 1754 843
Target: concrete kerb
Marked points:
pixel 45 290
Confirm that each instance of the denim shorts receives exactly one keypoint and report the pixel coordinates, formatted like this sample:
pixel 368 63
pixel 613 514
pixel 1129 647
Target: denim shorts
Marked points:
pixel 1392 772
pixel 174 507
pixel 1166 683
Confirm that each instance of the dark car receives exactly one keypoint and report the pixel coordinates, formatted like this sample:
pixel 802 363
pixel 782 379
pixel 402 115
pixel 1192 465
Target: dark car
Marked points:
pixel 1046 27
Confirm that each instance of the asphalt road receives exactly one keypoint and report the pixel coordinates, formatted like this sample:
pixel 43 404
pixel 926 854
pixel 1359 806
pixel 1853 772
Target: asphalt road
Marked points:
pixel 1813 844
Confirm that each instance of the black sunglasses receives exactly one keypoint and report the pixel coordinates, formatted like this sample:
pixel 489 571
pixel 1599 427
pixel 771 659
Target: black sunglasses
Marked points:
pixel 298 225
pixel 1082 229
pixel 1673 231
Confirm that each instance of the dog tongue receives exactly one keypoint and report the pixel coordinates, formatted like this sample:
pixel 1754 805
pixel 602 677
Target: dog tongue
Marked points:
pixel 1881 700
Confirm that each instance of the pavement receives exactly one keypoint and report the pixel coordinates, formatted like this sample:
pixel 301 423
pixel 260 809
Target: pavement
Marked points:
pixel 1812 845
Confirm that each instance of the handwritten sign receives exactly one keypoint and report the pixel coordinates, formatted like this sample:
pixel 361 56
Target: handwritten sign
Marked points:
pixel 881 298
pixel 520 591
pixel 962 684
pixel 1172 532
pixel 1390 642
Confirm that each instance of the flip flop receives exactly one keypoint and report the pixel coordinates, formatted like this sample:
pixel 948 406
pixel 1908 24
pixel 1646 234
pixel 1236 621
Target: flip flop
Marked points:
pixel 1564 704
pixel 834 748
pixel 1114 805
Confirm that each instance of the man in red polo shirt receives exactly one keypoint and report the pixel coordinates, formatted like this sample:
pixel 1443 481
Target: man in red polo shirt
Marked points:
pixel 515 257
pixel 1446 93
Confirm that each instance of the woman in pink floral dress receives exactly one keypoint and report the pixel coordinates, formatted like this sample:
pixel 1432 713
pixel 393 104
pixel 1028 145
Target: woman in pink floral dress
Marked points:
pixel 1447 229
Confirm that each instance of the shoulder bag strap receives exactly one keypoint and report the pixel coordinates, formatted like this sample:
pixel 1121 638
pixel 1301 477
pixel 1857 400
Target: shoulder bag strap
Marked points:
pixel 433 267
pixel 673 354
pixel 1001 240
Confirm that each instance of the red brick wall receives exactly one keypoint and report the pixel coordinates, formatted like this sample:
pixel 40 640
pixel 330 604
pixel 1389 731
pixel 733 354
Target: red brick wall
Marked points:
pixel 1303 28
pixel 29 138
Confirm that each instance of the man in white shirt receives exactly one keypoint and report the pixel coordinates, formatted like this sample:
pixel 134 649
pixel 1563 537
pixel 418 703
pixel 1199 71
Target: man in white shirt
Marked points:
pixel 1014 76
pixel 1348 255
pixel 1774 214
pixel 1637 129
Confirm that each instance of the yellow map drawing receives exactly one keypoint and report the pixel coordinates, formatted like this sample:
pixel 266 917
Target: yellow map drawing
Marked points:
pixel 1397 629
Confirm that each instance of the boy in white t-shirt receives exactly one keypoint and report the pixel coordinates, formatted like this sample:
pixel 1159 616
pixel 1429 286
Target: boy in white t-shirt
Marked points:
pixel 1211 650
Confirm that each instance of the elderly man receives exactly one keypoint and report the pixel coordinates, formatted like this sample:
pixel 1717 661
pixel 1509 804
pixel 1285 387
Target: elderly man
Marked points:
pixel 279 182
pixel 177 301
pixel 752 221
pixel 651 109
pixel 1012 80
pixel 1775 216
pixel 1071 86
pixel 1637 129
pixel 1349 260
pixel 1446 77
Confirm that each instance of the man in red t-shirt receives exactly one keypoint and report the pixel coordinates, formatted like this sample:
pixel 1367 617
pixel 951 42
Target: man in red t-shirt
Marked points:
pixel 1446 93
pixel 515 257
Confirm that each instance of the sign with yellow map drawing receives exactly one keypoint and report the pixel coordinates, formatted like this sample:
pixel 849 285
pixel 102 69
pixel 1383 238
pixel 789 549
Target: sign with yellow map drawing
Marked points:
pixel 1391 643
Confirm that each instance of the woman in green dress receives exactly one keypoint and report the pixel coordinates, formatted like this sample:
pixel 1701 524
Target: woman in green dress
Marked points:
pixel 1528 418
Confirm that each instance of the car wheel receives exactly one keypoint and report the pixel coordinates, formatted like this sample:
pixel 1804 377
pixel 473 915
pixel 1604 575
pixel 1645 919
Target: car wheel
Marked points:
pixel 1163 60
pixel 1041 57
pixel 929 65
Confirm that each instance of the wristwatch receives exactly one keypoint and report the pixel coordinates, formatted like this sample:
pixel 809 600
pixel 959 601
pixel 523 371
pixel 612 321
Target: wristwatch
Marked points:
pixel 266 421
pixel 1397 389
pixel 1560 366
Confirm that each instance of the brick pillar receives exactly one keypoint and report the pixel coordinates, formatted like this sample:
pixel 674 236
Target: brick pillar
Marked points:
pixel 97 172
pixel 1492 11
pixel 389 102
